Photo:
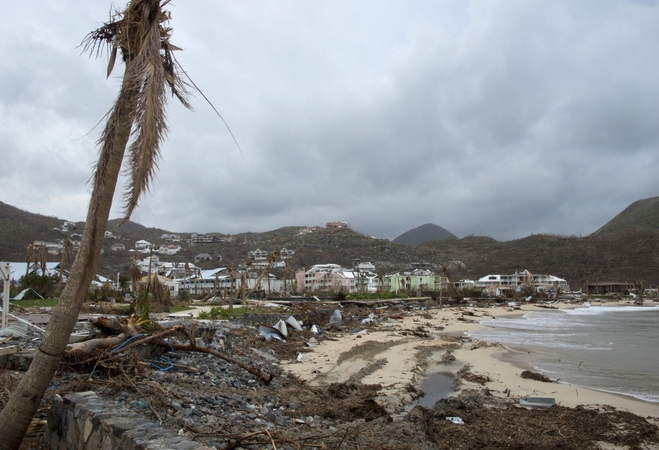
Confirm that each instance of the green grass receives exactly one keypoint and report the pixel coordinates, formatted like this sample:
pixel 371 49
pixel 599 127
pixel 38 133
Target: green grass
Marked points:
pixel 42 303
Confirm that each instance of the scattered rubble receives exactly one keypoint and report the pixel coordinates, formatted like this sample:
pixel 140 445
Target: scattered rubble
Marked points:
pixel 221 385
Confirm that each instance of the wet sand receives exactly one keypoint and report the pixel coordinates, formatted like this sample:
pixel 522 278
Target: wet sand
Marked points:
pixel 392 355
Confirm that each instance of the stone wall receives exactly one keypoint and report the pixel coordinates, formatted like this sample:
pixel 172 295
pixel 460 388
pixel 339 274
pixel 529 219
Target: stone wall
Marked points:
pixel 83 421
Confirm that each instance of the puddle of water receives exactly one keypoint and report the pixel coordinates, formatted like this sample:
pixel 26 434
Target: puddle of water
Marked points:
pixel 437 385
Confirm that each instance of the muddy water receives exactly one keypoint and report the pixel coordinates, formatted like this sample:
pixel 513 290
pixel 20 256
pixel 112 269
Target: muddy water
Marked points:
pixel 437 385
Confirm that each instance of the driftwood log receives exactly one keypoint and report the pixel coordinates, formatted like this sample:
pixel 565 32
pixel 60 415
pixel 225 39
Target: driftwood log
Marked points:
pixel 116 331
pixel 100 343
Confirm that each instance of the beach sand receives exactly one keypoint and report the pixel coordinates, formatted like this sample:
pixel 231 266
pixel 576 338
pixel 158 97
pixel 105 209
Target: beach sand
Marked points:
pixel 399 354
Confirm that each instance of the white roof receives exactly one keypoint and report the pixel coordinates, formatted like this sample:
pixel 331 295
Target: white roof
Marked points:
pixel 210 274
pixel 490 278
pixel 554 278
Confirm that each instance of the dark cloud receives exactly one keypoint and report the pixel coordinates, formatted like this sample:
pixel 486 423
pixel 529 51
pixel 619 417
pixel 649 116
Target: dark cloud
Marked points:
pixel 500 118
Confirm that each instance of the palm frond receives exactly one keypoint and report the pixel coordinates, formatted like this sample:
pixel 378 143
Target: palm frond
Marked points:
pixel 141 34
pixel 148 73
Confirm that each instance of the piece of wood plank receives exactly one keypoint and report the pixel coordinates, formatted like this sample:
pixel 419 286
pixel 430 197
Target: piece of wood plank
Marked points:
pixel 8 350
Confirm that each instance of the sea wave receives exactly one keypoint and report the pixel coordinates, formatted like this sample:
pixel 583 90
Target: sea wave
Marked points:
pixel 625 360
pixel 545 321
pixel 594 310
pixel 553 339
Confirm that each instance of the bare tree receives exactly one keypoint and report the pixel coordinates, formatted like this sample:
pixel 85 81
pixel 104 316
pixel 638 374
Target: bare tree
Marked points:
pixel 65 263
pixel 140 33
pixel 29 258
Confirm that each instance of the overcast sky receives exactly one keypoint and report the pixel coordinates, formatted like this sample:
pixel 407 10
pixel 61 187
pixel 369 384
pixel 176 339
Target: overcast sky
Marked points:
pixel 498 118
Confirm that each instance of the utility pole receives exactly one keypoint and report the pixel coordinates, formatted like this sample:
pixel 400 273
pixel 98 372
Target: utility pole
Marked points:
pixel 4 269
pixel 441 289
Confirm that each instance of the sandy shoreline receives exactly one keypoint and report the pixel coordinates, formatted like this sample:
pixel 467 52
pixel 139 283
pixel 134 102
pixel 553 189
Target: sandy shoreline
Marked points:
pixel 398 355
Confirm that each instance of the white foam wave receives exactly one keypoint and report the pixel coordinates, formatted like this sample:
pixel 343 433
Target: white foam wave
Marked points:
pixel 534 321
pixel 568 341
pixel 594 310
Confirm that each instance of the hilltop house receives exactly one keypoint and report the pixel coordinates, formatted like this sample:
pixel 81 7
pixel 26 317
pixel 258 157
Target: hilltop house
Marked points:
pixel 203 257
pixel 53 248
pixel 308 230
pixel 286 253
pixel 337 225
pixel 257 255
pixel 169 249
pixel 201 238
pixel 142 245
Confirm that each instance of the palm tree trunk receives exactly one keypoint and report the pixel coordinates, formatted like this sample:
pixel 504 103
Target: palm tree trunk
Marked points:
pixel 18 412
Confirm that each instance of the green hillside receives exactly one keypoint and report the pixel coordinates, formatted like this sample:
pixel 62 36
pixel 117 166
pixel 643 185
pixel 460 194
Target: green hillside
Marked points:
pixel 19 228
pixel 625 249
pixel 623 256
pixel 640 215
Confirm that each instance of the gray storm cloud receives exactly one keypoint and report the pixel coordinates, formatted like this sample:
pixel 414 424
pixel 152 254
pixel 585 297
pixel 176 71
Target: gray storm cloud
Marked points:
pixel 499 118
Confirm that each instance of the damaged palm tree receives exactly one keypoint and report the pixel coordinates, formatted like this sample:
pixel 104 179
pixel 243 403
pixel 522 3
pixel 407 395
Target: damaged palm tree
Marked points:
pixel 159 298
pixel 65 263
pixel 272 258
pixel 459 294
pixel 29 258
pixel 141 36
pixel 135 274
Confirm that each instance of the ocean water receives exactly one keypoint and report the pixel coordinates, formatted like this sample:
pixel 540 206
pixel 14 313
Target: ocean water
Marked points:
pixel 608 348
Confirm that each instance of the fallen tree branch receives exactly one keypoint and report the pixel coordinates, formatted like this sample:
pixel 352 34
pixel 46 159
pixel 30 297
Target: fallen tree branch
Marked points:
pixel 93 344
pixel 111 326
pixel 158 336
pixel 157 339
pixel 134 343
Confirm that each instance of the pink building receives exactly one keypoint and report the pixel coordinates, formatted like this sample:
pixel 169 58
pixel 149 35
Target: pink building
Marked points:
pixel 334 278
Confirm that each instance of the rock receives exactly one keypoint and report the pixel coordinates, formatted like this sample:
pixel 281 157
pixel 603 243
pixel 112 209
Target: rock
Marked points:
pixel 176 405
pixel 281 421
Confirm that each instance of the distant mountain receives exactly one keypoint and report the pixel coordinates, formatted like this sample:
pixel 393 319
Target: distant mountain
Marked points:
pixel 623 256
pixel 133 231
pixel 19 228
pixel 424 233
pixel 642 215
pixel 628 254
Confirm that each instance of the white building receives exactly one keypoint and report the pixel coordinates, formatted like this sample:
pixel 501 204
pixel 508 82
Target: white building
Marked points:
pixel 201 239
pixel 494 284
pixel 142 245
pixel 169 249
